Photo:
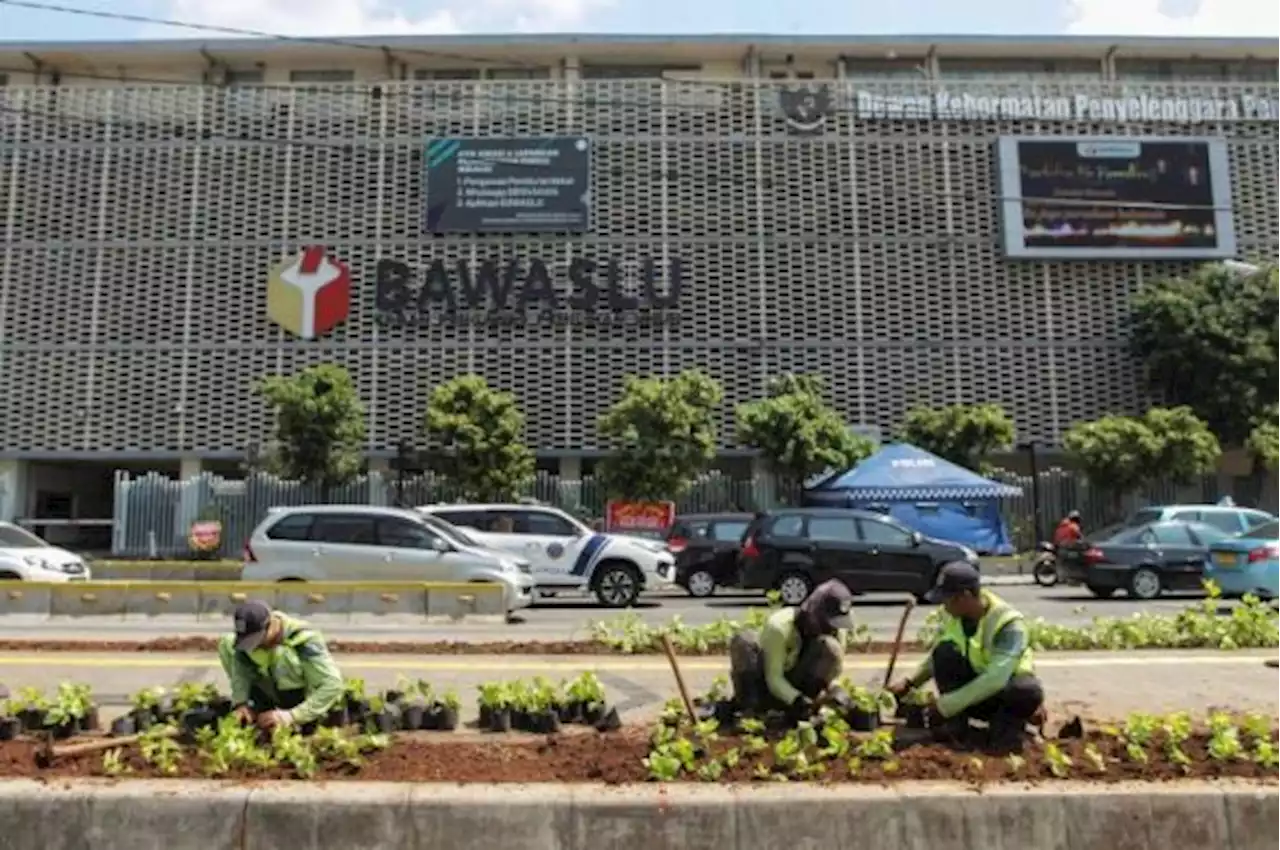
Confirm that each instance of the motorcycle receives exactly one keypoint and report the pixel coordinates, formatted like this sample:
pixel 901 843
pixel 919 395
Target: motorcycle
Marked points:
pixel 1044 570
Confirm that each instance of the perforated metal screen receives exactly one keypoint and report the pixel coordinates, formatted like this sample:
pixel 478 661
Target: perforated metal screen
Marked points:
pixel 139 225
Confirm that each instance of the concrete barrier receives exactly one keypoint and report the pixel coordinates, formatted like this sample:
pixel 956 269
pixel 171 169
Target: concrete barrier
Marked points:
pixel 178 601
pixel 177 815
pixel 166 570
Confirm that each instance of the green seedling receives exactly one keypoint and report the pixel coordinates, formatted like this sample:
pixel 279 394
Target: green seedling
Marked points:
pixel 1224 738
pixel 878 745
pixel 719 690
pixel 1060 763
pixel 113 763
pixel 160 750
pixel 1265 754
pixel 1095 758
pixel 1014 763
pixel 1256 728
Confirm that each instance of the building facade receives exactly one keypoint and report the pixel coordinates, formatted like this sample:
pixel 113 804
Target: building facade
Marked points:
pixel 753 207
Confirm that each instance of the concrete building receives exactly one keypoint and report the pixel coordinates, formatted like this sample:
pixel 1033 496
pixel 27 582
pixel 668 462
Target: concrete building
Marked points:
pixel 748 205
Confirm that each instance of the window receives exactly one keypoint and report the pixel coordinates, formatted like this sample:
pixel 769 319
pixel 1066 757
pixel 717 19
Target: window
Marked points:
pixel 1145 516
pixel 729 531
pixel 1226 521
pixel 13 537
pixel 394 531
pixel 472 519
pixel 790 75
pixel 335 75
pixel 1206 534
pixel 447 74
pixel 791 525
pixel 1171 535
pixel 541 522
pixel 886 69
pixel 633 72
pixel 343 528
pixel 883 534
pixel 513 74
pixel 244 78
pixel 4 79
pixel 1186 516
pixel 291 527
pixel 1267 531
pixel 690 530
pixel 833 529
pixel 1016 69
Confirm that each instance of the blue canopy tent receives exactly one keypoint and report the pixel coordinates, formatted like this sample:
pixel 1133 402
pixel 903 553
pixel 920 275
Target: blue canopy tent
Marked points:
pixel 921 490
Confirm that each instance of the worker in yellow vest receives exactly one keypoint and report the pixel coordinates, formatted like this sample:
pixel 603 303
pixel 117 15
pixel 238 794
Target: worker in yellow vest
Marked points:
pixel 280 670
pixel 981 662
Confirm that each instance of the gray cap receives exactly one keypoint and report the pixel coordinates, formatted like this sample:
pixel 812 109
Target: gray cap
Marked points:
pixel 955 577
pixel 252 618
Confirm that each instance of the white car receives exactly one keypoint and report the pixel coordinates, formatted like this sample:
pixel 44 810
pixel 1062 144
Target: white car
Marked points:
pixel 368 543
pixel 566 555
pixel 25 557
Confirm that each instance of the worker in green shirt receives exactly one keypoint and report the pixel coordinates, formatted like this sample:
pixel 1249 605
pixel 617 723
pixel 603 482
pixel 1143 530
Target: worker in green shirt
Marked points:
pixel 280 669
pixel 796 657
pixel 981 662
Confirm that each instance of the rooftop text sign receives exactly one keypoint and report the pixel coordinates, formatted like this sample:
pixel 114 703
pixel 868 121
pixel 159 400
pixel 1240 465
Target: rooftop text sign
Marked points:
pixel 967 106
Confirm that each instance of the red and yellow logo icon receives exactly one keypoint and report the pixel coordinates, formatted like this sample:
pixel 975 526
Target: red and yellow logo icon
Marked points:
pixel 310 294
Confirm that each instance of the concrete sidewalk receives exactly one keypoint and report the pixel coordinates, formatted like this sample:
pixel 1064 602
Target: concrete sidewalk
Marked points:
pixel 1096 684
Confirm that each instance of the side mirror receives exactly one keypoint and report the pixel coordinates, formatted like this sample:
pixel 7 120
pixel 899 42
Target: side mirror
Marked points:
pixel 916 538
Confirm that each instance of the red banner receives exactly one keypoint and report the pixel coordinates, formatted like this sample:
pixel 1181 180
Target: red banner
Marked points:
pixel 631 517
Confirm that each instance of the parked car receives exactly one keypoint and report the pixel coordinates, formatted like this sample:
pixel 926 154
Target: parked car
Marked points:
pixel 1248 562
pixel 25 557
pixel 706 548
pixel 362 542
pixel 1144 561
pixel 794 549
pixel 1230 519
pixel 565 554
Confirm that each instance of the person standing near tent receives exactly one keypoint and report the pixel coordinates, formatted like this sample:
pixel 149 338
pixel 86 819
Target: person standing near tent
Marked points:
pixel 982 664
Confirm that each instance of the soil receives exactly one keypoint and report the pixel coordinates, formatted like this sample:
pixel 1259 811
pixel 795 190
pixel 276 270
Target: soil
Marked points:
pixel 616 757
pixel 358 647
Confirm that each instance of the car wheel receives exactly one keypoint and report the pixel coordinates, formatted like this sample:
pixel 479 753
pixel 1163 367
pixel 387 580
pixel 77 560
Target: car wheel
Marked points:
pixel 794 588
pixel 618 585
pixel 1101 592
pixel 6 576
pixel 1144 583
pixel 701 584
pixel 287 580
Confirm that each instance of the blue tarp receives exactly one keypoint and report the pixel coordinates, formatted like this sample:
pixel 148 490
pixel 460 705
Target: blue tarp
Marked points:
pixel 933 496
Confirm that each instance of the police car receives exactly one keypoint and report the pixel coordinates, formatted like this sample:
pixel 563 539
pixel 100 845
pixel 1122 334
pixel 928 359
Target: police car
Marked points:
pixel 566 555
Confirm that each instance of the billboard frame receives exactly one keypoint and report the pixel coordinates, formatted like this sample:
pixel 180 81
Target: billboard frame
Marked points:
pixel 1010 207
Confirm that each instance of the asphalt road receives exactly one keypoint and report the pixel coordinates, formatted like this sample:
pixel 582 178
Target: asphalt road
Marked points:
pixel 570 618
pixel 1096 685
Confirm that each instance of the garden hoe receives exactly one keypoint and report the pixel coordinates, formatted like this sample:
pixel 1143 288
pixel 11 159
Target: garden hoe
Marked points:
pixel 48 753
pixel 897 643
pixel 675 668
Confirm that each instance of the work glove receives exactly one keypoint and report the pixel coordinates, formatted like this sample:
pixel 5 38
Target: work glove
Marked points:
pixel 900 688
pixel 274 719
pixel 243 713
pixel 800 710
pixel 933 718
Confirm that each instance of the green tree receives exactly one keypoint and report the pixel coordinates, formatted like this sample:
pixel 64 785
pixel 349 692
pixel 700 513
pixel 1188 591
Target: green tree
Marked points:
pixel 660 435
pixel 961 433
pixel 1120 454
pixel 475 437
pixel 1264 439
pixel 319 425
pixel 797 433
pixel 1209 341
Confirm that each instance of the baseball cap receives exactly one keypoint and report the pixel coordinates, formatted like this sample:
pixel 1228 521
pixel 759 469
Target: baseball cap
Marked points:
pixel 251 618
pixel 955 577
pixel 832 603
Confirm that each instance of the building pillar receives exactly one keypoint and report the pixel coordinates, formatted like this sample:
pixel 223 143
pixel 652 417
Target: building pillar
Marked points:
pixel 763 486
pixel 191 503
pixel 190 467
pixel 14 475
pixel 380 480
pixel 570 469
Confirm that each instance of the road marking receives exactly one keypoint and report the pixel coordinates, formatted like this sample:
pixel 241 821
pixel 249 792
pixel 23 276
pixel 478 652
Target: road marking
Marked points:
pixel 620 664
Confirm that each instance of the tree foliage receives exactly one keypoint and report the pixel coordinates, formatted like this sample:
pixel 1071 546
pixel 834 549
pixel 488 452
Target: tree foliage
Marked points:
pixel 797 433
pixel 1264 439
pixel 1123 453
pixel 1209 341
pixel 660 435
pixel 475 439
pixel 319 425
pixel 963 434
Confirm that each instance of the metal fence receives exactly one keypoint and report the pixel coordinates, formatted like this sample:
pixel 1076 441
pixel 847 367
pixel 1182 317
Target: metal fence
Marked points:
pixel 153 513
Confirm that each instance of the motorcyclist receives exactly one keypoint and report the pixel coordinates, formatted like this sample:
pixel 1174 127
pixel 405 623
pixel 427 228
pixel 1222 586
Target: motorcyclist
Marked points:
pixel 796 657
pixel 1069 531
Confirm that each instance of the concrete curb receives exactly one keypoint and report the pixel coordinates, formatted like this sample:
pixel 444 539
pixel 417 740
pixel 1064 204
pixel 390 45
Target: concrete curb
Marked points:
pixel 181 815
pixel 200 601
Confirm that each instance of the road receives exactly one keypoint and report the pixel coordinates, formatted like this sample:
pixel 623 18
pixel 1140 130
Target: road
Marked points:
pixel 570 618
pixel 1097 685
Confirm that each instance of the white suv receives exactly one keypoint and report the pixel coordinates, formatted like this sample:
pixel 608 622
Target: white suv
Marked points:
pixel 367 543
pixel 25 557
pixel 566 555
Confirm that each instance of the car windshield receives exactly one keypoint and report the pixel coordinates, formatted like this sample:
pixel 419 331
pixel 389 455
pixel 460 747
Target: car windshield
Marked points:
pixel 1265 531
pixel 13 537
pixel 452 533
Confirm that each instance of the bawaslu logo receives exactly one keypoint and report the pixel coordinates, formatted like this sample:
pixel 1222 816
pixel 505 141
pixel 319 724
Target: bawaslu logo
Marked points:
pixel 310 294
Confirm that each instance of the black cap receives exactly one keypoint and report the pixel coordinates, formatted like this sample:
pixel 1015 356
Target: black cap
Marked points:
pixel 955 577
pixel 252 619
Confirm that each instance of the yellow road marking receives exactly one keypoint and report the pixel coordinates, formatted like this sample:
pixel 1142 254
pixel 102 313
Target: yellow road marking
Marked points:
pixel 621 664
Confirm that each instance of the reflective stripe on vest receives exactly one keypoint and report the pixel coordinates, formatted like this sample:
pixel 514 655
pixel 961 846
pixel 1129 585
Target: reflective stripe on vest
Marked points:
pixel 977 649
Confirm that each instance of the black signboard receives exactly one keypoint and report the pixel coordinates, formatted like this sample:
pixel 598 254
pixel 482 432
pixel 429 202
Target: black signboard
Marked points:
pixel 1115 197
pixel 528 185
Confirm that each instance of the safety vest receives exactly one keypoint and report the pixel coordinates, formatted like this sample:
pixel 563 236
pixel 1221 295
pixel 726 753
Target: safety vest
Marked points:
pixel 977 648
pixel 281 665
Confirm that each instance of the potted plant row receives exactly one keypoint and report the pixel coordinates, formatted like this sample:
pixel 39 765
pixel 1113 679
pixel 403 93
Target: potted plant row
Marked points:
pixel 71 711
pixel 192 705
pixel 410 706
pixel 866 706
pixel 540 706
